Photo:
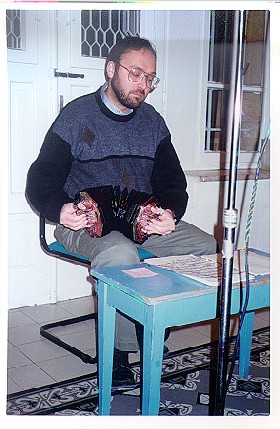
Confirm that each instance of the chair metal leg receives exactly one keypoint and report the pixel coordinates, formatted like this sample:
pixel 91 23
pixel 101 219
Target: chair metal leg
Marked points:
pixel 53 338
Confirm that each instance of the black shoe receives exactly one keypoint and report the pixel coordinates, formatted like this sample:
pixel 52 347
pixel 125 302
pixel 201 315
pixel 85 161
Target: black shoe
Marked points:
pixel 122 377
pixel 165 352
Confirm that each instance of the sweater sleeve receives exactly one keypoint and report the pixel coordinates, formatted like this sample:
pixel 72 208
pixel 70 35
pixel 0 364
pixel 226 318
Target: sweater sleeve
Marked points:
pixel 47 175
pixel 168 179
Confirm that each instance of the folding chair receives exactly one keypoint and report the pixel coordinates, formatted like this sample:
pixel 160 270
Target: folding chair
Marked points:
pixel 57 250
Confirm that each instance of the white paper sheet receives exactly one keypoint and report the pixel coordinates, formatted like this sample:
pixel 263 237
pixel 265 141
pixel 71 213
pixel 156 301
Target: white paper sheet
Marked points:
pixel 208 269
pixel 258 264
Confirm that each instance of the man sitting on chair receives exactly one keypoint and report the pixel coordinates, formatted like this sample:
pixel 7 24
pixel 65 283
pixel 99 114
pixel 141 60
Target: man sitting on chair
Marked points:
pixel 114 140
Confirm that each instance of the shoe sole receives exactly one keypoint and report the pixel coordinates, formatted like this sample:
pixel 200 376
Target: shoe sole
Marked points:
pixel 128 387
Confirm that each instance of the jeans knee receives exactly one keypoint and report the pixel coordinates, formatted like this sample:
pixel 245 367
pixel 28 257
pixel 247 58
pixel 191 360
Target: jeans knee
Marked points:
pixel 211 246
pixel 118 253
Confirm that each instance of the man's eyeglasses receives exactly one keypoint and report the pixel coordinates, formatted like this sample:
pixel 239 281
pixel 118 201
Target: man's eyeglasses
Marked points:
pixel 135 74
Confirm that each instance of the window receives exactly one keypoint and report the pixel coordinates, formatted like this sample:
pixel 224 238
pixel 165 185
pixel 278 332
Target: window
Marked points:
pixel 14 21
pixel 101 29
pixel 220 58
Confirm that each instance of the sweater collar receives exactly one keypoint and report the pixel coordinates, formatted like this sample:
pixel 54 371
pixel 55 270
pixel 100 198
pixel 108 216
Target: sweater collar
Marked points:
pixel 111 106
pixel 108 111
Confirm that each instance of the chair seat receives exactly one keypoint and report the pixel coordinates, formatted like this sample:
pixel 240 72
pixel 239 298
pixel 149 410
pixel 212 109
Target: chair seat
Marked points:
pixel 57 247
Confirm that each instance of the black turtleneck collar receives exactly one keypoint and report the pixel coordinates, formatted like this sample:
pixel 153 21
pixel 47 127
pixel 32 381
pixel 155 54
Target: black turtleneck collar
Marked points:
pixel 109 113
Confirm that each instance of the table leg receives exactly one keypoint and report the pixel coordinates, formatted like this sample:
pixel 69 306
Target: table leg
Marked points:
pixel 246 334
pixel 106 332
pixel 152 368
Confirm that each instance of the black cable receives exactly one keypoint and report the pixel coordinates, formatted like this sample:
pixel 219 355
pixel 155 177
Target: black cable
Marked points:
pixel 247 281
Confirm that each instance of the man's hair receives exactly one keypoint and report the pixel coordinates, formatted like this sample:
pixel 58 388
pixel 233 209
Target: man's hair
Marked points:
pixel 129 43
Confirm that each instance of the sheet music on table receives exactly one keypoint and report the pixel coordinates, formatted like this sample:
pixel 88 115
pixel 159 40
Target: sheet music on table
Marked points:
pixel 206 269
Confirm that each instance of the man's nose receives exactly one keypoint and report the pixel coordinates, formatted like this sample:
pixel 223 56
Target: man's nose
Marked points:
pixel 143 83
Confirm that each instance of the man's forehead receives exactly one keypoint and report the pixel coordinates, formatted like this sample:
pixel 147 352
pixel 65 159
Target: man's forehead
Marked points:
pixel 138 53
pixel 143 58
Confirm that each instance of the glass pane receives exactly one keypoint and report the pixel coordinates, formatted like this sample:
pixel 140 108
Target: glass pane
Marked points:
pixel 95 19
pixel 115 23
pixel 251 119
pixel 14 29
pixel 216 119
pixel 104 20
pixel 85 19
pixel 100 29
pixel 109 38
pixel 255 47
pixel 104 51
pixel 215 140
pixel 85 49
pixel 220 45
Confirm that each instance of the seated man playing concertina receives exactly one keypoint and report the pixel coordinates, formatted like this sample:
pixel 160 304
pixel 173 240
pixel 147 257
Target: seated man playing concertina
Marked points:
pixel 109 176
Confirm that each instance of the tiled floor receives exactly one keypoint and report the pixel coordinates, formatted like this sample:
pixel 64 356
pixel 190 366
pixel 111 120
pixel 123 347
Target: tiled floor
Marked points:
pixel 34 361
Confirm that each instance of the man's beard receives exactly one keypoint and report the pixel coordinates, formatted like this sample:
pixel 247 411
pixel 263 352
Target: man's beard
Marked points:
pixel 125 99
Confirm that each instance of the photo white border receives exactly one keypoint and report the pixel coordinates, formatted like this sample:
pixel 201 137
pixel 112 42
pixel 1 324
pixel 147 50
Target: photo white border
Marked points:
pixel 123 422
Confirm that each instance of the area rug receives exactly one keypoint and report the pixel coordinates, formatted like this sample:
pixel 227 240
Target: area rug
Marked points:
pixel 187 380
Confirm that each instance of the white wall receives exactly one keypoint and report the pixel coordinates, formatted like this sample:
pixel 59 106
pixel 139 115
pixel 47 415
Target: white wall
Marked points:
pixel 181 97
pixel 181 43
pixel 208 199
pixel 186 68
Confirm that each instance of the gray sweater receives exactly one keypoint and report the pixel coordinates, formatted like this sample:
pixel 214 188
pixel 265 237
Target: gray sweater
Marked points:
pixel 89 146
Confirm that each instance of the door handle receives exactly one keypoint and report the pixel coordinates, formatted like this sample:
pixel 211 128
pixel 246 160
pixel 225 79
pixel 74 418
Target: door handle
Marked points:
pixel 68 75
pixel 61 101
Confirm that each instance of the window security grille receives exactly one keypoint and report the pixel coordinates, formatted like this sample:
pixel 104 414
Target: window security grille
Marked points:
pixel 14 29
pixel 100 29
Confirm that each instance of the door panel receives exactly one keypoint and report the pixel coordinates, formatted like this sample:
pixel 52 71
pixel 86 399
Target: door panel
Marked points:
pixel 71 61
pixel 31 273
pixel 22 93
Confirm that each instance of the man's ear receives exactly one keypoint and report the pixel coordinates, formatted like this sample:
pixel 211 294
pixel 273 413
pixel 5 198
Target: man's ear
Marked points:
pixel 110 69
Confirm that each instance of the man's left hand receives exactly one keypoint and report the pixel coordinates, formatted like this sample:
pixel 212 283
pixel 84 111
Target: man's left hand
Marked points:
pixel 163 225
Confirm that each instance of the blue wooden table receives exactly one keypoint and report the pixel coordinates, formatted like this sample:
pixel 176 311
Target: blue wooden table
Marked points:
pixel 161 300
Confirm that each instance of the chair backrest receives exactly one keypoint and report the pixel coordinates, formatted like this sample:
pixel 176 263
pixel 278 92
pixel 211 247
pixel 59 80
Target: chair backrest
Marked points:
pixel 56 249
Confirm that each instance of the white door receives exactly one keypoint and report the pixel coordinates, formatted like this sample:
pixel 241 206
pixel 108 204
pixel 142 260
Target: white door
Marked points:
pixel 40 43
pixel 31 273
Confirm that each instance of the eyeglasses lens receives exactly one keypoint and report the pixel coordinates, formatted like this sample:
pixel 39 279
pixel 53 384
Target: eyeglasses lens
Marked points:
pixel 136 75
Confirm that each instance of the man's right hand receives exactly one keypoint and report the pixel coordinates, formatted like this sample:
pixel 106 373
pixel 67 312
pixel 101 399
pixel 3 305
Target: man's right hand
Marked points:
pixel 70 218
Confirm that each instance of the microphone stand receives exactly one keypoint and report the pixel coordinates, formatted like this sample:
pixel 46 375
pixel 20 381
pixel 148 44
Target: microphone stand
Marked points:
pixel 230 213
